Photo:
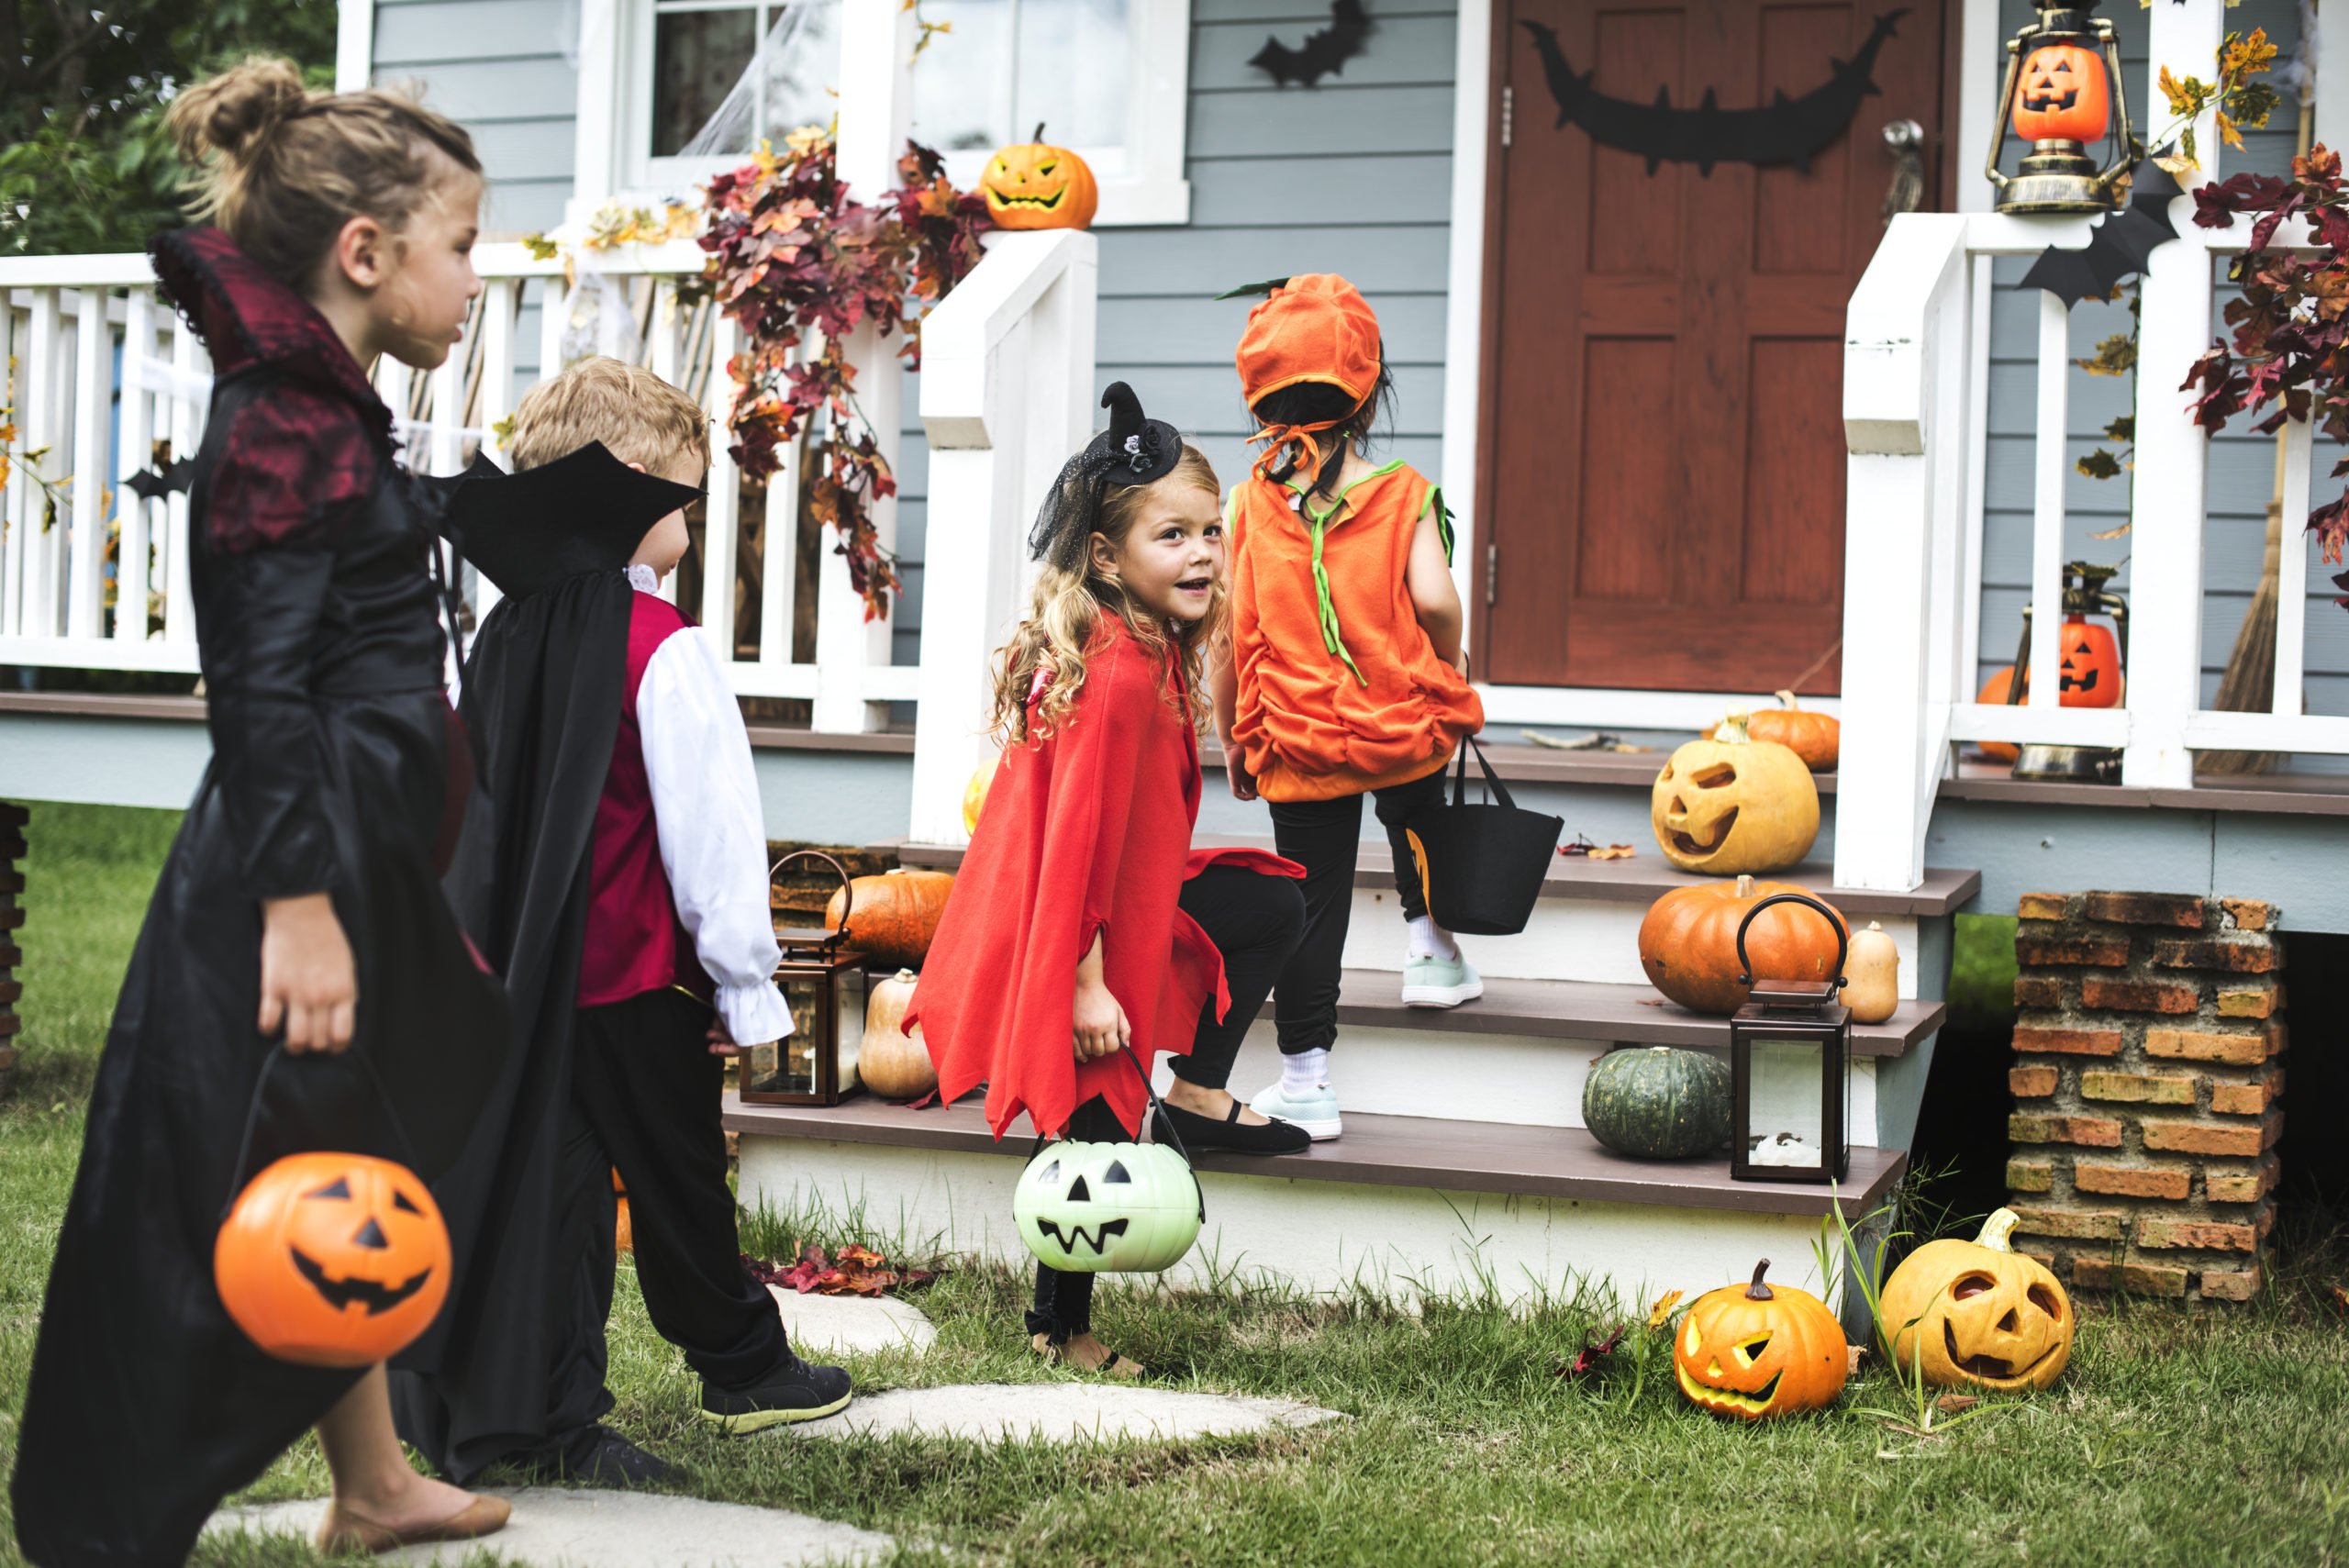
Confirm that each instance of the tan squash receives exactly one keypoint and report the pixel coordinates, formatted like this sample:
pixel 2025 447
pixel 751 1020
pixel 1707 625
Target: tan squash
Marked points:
pixel 1873 973
pixel 1688 942
pixel 1733 804
pixel 892 1064
pixel 896 914
pixel 1969 1312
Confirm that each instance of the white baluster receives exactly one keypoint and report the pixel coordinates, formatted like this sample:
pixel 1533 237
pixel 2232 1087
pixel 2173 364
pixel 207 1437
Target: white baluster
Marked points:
pixel 553 304
pixel 44 426
pixel 133 450
pixel 13 329
pixel 445 450
pixel 2051 464
pixel 719 515
pixel 188 417
pixel 2291 574
pixel 93 394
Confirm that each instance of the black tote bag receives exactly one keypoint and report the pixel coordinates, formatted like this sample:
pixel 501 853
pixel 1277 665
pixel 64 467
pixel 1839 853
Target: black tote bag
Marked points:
pixel 1482 866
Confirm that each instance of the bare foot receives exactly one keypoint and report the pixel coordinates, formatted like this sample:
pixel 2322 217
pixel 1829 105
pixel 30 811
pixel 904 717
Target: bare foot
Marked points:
pixel 1213 1104
pixel 1087 1354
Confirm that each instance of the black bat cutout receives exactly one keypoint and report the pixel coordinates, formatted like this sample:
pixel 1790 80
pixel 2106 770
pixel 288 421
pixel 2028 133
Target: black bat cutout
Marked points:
pixel 1098 1241
pixel 1788 132
pixel 339 1294
pixel 2119 246
pixel 152 486
pixel 1324 53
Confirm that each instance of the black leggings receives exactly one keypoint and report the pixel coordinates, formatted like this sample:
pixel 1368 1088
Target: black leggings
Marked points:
pixel 1254 921
pixel 1325 838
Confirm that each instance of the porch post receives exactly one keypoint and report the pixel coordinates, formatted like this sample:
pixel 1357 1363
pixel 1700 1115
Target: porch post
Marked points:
pixel 2166 498
pixel 876 113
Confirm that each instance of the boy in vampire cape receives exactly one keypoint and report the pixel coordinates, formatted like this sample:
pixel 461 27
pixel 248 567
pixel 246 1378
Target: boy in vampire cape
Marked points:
pixel 619 886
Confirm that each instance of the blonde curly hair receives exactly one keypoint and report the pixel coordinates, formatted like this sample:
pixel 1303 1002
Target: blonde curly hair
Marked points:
pixel 1063 627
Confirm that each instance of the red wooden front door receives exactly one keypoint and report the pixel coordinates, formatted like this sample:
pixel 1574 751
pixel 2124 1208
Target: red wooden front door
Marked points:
pixel 1662 442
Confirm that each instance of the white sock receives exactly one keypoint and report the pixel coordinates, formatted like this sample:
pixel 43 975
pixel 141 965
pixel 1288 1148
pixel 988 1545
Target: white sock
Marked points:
pixel 1432 941
pixel 1304 1072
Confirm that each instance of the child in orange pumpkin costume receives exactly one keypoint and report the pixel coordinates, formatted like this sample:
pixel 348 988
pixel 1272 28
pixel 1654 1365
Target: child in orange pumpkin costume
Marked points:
pixel 1346 676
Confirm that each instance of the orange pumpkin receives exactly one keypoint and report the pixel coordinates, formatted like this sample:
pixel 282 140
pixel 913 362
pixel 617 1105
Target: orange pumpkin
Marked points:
pixel 623 1233
pixel 1688 942
pixel 333 1260
pixel 1994 692
pixel 1758 1351
pixel 2061 96
pixel 1036 186
pixel 2089 667
pixel 896 915
pixel 894 1065
pixel 1815 738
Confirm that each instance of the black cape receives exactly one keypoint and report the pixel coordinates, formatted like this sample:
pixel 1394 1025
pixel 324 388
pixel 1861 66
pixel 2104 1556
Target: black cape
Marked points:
pixel 541 699
pixel 317 625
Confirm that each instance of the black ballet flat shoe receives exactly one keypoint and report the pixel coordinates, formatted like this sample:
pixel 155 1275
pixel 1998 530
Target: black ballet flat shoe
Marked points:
pixel 597 1456
pixel 1196 1131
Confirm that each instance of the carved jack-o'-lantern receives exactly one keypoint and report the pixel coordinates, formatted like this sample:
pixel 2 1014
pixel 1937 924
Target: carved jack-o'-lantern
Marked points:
pixel 1107 1207
pixel 1976 1312
pixel 1754 1351
pixel 2089 671
pixel 1034 185
pixel 333 1260
pixel 1730 805
pixel 2063 96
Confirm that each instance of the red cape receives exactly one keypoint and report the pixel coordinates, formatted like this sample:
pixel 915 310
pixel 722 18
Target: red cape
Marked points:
pixel 1086 831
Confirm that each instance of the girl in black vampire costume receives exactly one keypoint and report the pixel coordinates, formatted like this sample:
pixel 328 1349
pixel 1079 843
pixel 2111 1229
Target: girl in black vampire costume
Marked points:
pixel 300 911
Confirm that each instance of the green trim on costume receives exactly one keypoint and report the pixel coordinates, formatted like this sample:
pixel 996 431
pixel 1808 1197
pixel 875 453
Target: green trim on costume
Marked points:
pixel 1443 519
pixel 1317 528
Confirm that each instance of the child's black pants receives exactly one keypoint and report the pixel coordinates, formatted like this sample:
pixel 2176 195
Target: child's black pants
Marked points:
pixel 1254 920
pixel 1325 838
pixel 644 1097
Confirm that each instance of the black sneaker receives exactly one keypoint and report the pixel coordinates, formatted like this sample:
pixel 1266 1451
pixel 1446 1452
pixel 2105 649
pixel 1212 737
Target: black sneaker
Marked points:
pixel 794 1391
pixel 597 1456
pixel 1198 1132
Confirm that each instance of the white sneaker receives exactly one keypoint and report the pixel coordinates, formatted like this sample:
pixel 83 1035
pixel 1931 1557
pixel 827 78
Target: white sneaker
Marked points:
pixel 1440 982
pixel 1316 1111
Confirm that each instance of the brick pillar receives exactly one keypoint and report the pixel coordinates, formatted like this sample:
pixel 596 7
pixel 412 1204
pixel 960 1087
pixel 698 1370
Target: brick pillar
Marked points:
pixel 2145 1090
pixel 12 916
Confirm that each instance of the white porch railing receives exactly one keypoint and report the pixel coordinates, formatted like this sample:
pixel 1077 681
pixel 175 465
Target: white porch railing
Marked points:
pixel 1916 364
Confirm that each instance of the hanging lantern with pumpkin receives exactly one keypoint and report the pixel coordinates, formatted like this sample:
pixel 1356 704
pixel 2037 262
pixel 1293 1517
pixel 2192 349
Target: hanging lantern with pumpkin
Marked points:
pixel 896 913
pixel 1752 1351
pixel 1978 1313
pixel 2062 97
pixel 1688 942
pixel 333 1260
pixel 1037 185
pixel 1734 804
pixel 2062 92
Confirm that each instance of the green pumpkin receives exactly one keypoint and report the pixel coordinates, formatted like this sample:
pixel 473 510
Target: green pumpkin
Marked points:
pixel 1107 1207
pixel 1658 1103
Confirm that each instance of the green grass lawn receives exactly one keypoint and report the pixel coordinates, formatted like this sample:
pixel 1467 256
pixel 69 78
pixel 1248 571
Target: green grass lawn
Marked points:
pixel 2172 1438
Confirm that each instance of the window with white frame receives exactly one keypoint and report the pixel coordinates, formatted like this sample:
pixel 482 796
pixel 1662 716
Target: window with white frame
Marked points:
pixel 1105 77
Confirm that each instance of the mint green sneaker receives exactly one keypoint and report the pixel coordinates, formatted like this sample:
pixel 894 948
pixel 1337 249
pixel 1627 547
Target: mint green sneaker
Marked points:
pixel 1315 1113
pixel 1440 982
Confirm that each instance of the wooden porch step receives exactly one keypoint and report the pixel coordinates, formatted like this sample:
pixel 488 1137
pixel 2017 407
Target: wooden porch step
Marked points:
pixel 1590 1010
pixel 1376 1151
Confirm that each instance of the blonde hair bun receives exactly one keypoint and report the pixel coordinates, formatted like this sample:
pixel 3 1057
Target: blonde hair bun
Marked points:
pixel 236 110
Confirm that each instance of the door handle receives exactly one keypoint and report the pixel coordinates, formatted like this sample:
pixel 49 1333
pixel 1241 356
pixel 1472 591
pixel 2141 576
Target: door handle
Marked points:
pixel 1905 140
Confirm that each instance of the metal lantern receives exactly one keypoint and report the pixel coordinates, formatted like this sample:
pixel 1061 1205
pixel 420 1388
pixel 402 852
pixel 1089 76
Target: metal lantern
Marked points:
pixel 824 985
pixel 2063 91
pixel 2090 664
pixel 1789 1050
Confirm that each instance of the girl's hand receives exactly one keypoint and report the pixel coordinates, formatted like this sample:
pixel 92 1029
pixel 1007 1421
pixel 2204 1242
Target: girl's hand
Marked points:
pixel 1100 1021
pixel 1243 783
pixel 308 984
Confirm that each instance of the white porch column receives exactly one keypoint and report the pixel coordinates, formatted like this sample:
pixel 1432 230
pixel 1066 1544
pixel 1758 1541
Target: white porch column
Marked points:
pixel 2165 499
pixel 876 114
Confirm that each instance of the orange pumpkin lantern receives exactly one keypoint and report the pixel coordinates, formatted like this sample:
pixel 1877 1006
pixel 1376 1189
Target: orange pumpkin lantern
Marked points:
pixel 1994 691
pixel 1978 1312
pixel 1758 1351
pixel 1688 942
pixel 333 1260
pixel 1035 185
pixel 2090 669
pixel 2063 96
pixel 896 916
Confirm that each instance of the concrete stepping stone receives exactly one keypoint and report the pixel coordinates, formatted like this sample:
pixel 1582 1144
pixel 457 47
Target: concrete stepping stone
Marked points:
pixel 1058 1412
pixel 559 1527
pixel 850 1325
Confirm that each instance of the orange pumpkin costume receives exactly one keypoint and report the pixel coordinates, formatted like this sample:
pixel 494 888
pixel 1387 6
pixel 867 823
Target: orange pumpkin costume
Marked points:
pixel 1341 692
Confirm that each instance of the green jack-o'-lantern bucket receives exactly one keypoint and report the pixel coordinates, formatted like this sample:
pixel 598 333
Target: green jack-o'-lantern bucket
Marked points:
pixel 1109 1207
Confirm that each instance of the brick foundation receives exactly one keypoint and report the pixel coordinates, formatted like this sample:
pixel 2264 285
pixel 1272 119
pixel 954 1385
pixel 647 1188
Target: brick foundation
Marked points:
pixel 2147 1090
pixel 11 918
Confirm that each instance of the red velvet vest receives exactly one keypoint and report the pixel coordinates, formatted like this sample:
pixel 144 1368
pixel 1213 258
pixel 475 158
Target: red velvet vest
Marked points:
pixel 634 941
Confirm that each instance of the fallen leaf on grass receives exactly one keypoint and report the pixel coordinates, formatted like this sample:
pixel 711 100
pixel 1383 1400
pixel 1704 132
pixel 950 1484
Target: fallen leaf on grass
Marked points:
pixel 1951 1404
pixel 1852 1354
pixel 2340 1299
pixel 1582 846
pixel 1590 1355
pixel 1662 1307
pixel 852 1271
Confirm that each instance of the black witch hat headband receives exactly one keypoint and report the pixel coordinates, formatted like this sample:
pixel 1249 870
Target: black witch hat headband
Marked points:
pixel 1134 449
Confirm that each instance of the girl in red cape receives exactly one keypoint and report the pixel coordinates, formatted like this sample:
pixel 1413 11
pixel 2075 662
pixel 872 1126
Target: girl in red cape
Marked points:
pixel 1082 924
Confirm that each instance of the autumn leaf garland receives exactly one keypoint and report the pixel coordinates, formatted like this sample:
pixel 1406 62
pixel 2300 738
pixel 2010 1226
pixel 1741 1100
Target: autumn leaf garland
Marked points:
pixel 793 258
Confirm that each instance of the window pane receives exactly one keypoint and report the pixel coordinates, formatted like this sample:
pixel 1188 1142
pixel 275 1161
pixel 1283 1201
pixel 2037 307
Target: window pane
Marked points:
pixel 1072 71
pixel 803 68
pixel 963 81
pixel 698 56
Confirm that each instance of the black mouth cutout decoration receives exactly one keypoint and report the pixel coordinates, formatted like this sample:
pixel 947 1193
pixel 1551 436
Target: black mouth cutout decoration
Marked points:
pixel 1787 131
pixel 339 1294
pixel 1098 1243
